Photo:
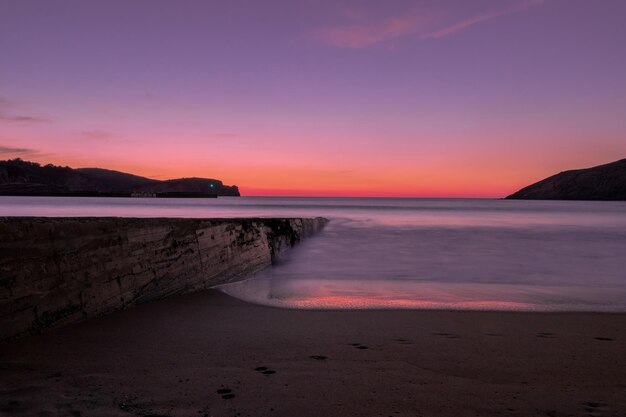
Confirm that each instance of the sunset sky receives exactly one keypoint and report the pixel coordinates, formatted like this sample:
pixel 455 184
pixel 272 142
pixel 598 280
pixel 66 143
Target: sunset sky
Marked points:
pixel 310 97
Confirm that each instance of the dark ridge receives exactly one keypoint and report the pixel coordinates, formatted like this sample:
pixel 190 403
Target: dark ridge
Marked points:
pixel 604 182
pixel 23 178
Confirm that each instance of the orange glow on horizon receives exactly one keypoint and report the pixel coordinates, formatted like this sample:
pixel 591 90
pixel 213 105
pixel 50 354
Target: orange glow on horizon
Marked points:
pixel 387 193
pixel 476 169
pixel 424 182
pixel 388 99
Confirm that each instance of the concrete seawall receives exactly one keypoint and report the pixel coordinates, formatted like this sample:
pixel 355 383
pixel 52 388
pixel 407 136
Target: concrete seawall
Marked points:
pixel 55 271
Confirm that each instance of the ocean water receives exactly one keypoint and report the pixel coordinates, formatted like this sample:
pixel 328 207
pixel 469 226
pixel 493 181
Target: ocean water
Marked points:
pixel 380 253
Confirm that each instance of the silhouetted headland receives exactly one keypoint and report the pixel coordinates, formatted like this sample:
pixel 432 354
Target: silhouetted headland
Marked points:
pixel 23 178
pixel 603 182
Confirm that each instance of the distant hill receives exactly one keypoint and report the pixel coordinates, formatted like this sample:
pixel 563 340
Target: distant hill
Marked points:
pixel 18 177
pixel 603 182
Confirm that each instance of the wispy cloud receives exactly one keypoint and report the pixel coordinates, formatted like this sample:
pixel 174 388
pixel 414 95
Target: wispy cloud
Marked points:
pixel 7 113
pixel 464 24
pixel 7 151
pixel 97 134
pixel 22 118
pixel 362 32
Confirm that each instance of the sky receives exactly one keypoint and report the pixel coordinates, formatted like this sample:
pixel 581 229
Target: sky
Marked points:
pixel 422 98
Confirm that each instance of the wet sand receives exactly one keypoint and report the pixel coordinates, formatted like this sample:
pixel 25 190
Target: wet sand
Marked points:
pixel 206 354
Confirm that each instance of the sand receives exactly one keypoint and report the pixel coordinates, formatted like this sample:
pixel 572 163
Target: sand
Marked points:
pixel 206 354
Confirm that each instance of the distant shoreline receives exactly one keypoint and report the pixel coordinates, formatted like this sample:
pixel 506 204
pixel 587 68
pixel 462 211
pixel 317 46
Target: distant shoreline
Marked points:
pixel 24 178
pixel 119 195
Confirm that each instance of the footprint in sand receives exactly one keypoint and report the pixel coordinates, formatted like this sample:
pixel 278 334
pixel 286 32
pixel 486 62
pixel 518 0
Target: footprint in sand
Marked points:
pixel 447 335
pixel 226 393
pixel 604 339
pixel 318 357
pixel 594 408
pixel 358 346
pixel 264 370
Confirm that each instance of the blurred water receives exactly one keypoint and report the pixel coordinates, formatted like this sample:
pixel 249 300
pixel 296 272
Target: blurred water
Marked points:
pixel 414 253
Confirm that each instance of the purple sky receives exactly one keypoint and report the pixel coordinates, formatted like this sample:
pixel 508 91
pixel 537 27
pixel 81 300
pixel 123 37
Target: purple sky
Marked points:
pixel 459 98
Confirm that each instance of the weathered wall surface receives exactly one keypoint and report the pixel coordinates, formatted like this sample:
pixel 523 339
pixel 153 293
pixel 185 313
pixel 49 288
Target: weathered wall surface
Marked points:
pixel 61 270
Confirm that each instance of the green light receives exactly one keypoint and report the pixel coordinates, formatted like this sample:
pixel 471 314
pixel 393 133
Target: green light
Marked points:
pixel 211 185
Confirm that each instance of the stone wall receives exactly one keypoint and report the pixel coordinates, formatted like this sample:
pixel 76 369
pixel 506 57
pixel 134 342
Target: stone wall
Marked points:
pixel 60 270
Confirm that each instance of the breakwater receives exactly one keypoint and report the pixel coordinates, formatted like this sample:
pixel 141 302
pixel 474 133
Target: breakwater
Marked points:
pixel 55 271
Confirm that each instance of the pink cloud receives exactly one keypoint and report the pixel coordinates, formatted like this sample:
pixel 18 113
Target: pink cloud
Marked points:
pixel 364 34
pixel 369 32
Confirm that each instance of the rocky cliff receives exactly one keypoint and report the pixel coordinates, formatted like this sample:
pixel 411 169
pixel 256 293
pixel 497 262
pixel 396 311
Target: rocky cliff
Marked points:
pixel 603 182
pixel 60 270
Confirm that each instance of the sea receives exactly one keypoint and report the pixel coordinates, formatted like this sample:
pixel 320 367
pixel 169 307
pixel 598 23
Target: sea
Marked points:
pixel 405 253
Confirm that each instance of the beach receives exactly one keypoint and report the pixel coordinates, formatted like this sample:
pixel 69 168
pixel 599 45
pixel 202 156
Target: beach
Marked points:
pixel 404 208
pixel 207 354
